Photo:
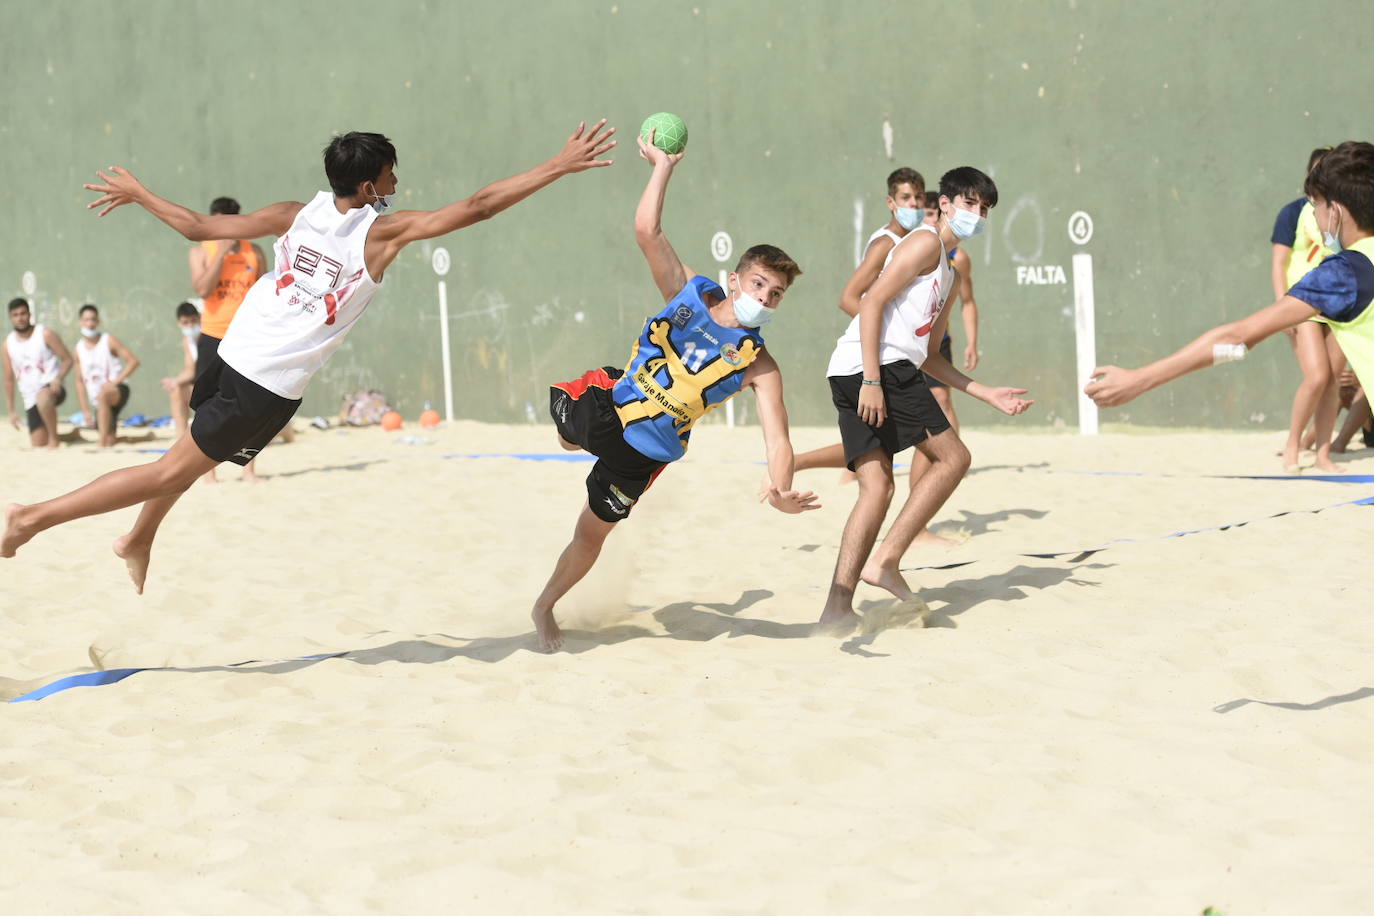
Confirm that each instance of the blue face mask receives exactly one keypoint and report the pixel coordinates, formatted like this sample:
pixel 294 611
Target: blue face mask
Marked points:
pixel 910 217
pixel 965 224
pixel 750 312
pixel 1332 239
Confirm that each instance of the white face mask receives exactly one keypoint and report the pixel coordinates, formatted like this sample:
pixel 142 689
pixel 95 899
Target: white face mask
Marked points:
pixel 88 333
pixel 192 331
pixel 965 224
pixel 750 312
pixel 909 217
pixel 382 202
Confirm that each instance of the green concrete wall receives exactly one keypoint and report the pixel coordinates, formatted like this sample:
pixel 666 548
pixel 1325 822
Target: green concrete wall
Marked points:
pixel 1180 128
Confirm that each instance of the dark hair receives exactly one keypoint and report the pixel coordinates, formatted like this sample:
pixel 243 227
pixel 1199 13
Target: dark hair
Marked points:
pixel 933 199
pixel 187 310
pixel 905 175
pixel 18 303
pixel 969 182
pixel 1316 156
pixel 354 157
pixel 87 308
pixel 1346 176
pixel 770 258
pixel 224 206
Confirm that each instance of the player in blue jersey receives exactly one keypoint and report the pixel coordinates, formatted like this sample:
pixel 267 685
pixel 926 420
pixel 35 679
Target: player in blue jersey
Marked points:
pixel 702 348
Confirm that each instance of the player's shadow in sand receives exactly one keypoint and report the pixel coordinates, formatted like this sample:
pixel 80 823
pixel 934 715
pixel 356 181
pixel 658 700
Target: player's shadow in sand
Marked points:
pixel 1363 693
pixel 684 620
pixel 976 523
pixel 983 469
pixel 328 468
pixel 949 601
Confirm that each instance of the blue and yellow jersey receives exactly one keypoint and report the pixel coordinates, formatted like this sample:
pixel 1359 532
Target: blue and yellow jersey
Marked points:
pixel 1308 250
pixel 683 365
pixel 1341 288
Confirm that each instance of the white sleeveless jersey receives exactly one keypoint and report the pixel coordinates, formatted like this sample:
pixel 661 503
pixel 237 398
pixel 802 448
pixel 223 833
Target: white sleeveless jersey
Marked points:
pixel 296 316
pixel 98 365
pixel 879 233
pixel 34 363
pixel 191 348
pixel 907 318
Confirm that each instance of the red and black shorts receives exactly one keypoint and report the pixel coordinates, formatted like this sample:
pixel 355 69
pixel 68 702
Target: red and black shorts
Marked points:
pixel 584 413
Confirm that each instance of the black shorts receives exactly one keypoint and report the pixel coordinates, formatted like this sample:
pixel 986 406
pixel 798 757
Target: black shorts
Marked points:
pixel 912 412
pixel 207 348
pixel 235 417
pixel 947 351
pixel 585 416
pixel 36 419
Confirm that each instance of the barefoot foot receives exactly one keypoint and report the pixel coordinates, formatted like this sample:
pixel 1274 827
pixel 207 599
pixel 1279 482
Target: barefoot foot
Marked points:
pixel 888 579
pixel 16 534
pixel 837 622
pixel 136 557
pixel 546 628
pixel 1327 466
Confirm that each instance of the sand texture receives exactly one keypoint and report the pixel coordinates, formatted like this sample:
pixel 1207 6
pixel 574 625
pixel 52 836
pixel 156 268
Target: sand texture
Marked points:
pixel 1163 725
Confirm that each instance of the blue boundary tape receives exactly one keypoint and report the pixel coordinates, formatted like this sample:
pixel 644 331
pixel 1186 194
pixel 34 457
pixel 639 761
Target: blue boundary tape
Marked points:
pixel 115 675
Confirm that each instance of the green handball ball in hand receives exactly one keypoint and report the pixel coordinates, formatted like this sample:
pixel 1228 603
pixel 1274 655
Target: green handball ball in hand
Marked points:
pixel 670 132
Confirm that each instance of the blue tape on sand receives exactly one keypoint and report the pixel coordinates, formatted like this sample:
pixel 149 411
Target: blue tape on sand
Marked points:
pixel 115 675
pixel 529 456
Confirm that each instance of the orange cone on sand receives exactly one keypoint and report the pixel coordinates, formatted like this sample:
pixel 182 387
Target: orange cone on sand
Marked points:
pixel 429 417
pixel 391 420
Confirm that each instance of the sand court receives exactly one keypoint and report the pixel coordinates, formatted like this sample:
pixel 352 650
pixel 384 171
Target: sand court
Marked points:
pixel 1164 724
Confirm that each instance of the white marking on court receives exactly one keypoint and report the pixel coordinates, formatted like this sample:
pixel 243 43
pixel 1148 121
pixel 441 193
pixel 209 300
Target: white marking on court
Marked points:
pixel 722 246
pixel 887 139
pixel 1080 228
pixel 858 230
pixel 1085 338
pixel 28 283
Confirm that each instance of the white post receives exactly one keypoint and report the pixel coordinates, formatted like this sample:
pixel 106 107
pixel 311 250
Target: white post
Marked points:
pixel 440 262
pixel 443 343
pixel 1085 336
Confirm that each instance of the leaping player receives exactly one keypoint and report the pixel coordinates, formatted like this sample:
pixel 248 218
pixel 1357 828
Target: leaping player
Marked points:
pixel 330 258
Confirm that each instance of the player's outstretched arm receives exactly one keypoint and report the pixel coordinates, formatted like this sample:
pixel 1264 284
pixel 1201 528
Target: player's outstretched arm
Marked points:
pixel 1112 386
pixel 1006 399
pixel 670 274
pixel 864 275
pixel 120 187
pixel 396 230
pixel 765 378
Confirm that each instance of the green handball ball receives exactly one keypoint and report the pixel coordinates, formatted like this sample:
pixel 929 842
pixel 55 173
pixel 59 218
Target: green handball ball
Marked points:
pixel 670 132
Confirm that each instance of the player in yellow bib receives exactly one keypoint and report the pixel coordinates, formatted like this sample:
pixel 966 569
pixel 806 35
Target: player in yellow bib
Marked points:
pixel 1340 289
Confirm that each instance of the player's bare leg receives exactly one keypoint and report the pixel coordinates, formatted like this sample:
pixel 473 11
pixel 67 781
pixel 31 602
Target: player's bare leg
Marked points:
pixel 920 464
pixel 1316 375
pixel 1329 405
pixel 46 437
pixel 949 461
pixel 170 474
pixel 136 547
pixel 874 471
pixel 827 456
pixel 104 422
pixel 575 561
pixel 1356 418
